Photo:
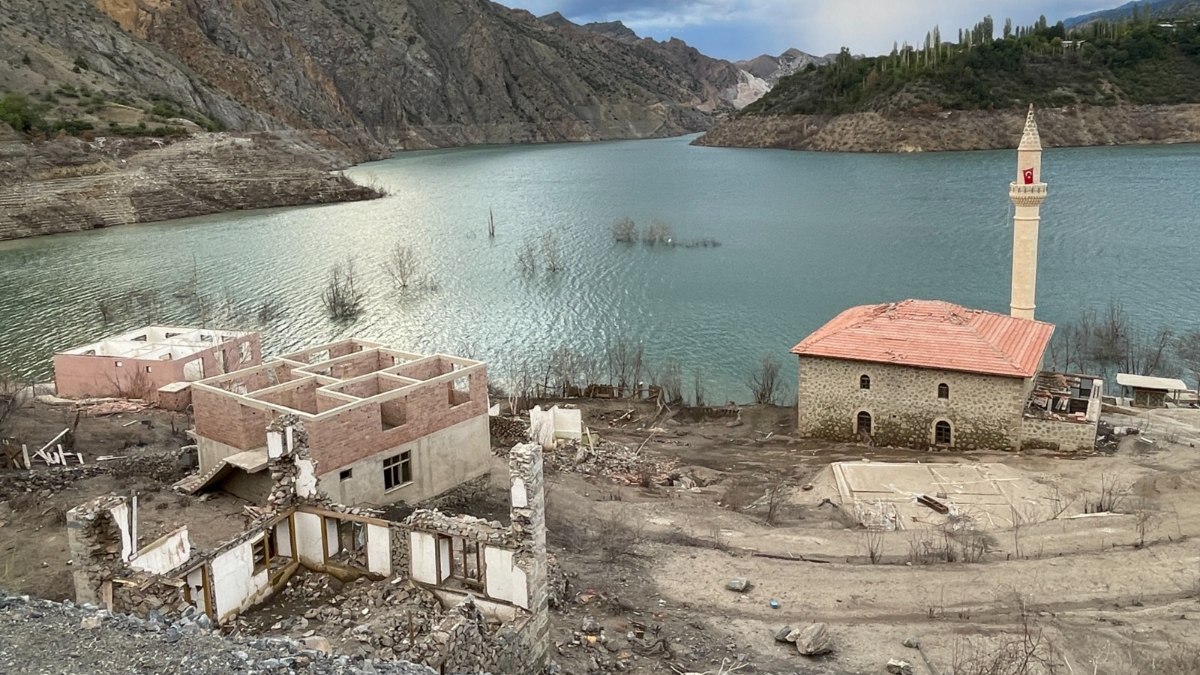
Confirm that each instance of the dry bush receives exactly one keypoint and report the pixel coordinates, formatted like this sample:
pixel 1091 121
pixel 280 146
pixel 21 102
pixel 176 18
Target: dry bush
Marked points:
pixel 776 499
pixel 677 537
pixel 1177 659
pixel 956 540
pixel 527 258
pixel 658 232
pixel 697 388
pixel 670 378
pixel 342 297
pixel 614 532
pixel 550 253
pixel 624 230
pixel 1025 652
pixel 764 380
pixel 401 265
pixel 1146 514
pixel 618 531
pixel 739 493
pixel 872 542
pixel 1113 492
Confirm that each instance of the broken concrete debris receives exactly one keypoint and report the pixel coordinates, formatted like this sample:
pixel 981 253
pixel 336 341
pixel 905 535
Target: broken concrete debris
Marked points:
pixel 465 594
pixel 899 667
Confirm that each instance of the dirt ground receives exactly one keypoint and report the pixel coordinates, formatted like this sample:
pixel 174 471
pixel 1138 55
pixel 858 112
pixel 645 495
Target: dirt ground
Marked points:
pixel 1114 593
pixel 1090 594
pixel 34 557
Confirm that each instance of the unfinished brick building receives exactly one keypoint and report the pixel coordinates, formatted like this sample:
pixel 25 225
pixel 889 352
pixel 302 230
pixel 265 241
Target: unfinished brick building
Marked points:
pixel 139 363
pixel 383 425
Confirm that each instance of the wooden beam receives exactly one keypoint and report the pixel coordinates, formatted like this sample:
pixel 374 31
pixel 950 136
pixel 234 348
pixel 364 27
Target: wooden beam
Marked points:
pixel 344 516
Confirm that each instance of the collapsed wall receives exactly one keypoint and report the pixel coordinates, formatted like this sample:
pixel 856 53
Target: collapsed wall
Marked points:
pixel 494 616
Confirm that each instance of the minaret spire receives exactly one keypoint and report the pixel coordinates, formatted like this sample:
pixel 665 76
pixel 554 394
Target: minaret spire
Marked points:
pixel 1027 193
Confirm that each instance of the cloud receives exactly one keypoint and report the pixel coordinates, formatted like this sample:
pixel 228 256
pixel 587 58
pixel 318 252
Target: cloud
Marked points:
pixel 740 28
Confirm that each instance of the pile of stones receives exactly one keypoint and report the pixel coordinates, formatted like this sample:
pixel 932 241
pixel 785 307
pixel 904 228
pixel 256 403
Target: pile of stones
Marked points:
pixel 44 636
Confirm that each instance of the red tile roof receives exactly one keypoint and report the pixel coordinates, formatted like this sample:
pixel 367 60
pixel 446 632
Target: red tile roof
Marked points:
pixel 933 334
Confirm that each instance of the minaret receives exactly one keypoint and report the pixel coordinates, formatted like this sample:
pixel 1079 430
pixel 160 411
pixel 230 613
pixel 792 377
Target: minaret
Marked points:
pixel 1027 193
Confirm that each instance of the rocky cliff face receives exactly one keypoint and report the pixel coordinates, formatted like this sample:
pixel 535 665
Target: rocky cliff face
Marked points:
pixel 419 73
pixel 773 68
pixel 959 130
pixel 331 82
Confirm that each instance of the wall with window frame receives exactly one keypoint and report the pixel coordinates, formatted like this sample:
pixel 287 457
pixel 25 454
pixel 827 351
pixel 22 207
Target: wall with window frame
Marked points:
pixel 984 411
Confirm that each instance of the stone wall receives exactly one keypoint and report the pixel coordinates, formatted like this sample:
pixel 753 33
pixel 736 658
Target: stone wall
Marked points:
pixel 145 593
pixel 984 411
pixel 1046 434
pixel 528 515
pixel 95 541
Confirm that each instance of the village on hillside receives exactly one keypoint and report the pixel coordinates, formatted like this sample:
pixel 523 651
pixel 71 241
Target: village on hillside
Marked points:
pixel 939 500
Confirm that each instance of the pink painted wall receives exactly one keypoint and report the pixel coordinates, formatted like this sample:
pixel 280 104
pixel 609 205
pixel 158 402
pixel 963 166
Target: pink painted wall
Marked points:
pixel 78 376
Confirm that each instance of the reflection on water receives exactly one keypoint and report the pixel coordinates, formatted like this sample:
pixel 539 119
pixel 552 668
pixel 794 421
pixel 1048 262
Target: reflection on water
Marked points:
pixel 803 235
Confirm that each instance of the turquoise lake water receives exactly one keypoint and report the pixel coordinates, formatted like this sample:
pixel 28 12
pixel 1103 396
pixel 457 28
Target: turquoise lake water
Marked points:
pixel 803 236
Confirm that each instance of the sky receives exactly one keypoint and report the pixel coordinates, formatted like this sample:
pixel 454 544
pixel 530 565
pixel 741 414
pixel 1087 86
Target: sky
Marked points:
pixel 740 29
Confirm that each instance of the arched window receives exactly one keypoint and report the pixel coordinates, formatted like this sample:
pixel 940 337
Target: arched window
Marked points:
pixel 942 434
pixel 864 382
pixel 863 423
pixel 943 390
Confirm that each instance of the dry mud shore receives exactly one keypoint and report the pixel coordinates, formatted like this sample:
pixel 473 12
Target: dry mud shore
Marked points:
pixel 70 184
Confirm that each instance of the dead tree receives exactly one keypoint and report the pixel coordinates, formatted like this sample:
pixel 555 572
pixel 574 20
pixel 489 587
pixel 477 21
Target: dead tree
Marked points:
pixel 342 297
pixel 401 265
pixel 764 380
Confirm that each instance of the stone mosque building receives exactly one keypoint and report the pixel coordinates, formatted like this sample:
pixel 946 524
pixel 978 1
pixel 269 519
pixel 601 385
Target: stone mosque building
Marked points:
pixel 930 373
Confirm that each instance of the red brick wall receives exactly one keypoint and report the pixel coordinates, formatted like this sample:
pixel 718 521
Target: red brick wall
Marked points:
pixel 356 434
pixel 77 376
pixel 225 419
pixel 175 400
pixel 301 397
pixel 348 436
pixel 424 370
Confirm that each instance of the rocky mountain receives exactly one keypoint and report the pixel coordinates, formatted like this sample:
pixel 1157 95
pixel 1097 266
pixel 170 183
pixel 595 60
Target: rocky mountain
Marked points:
pixel 401 73
pixel 1163 9
pixel 724 85
pixel 347 80
pixel 774 68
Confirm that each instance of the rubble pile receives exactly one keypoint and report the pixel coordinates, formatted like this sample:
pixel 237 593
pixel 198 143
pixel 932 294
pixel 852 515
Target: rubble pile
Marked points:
pixel 507 432
pixel 387 619
pixel 467 527
pixel 45 481
pixel 44 636
pixel 614 461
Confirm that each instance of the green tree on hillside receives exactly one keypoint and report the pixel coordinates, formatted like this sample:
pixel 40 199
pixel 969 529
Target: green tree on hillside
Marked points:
pixel 22 114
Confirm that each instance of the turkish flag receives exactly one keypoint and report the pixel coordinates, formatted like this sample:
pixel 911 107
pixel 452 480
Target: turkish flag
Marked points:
pixel 1028 173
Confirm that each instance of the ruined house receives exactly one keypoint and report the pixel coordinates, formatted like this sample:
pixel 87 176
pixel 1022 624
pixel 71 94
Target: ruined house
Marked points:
pixel 928 373
pixel 153 363
pixel 383 425
pixel 486 581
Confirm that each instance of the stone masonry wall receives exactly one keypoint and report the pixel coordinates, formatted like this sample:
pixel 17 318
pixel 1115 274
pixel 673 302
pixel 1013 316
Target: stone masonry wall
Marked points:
pixel 1057 435
pixel 94 540
pixel 528 516
pixel 984 411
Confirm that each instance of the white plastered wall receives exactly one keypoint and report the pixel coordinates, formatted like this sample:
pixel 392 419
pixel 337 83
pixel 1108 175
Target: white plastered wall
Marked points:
pixel 164 555
pixel 423 557
pixel 308 538
pixel 379 550
pixel 235 584
pixel 505 581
